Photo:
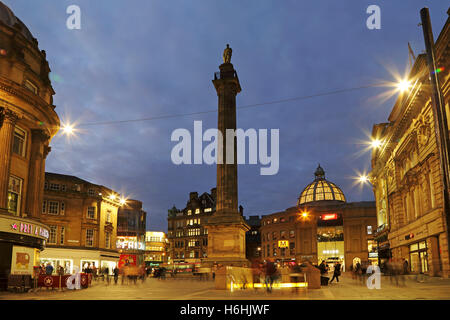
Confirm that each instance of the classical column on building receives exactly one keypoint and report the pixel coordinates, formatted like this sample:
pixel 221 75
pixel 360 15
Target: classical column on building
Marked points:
pixel 6 139
pixel 36 174
pixel 227 227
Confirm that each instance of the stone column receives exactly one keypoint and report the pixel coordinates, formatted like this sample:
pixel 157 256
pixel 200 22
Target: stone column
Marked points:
pixel 36 175
pixel 6 141
pixel 227 87
pixel 226 227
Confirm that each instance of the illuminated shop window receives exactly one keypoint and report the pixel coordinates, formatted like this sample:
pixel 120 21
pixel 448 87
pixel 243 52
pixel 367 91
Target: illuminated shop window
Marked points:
pixel 197 211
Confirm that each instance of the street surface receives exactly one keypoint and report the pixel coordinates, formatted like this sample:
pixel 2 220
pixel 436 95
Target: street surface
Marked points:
pixel 187 289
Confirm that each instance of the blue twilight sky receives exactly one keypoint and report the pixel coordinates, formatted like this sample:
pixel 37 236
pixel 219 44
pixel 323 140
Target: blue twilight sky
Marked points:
pixel 144 58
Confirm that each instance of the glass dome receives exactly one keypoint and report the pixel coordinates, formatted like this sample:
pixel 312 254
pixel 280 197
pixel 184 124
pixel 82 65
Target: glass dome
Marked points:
pixel 321 190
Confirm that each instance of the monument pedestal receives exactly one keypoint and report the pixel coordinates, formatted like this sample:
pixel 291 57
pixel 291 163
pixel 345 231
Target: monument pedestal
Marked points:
pixel 226 241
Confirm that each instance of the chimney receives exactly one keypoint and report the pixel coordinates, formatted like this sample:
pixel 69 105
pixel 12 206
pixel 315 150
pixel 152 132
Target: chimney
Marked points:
pixel 193 196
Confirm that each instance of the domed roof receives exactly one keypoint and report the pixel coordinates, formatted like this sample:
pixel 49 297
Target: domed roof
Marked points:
pixel 320 190
pixel 8 18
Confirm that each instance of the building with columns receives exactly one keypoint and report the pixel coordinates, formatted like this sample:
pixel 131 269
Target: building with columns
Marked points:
pixel 28 121
pixel 323 226
pixel 406 175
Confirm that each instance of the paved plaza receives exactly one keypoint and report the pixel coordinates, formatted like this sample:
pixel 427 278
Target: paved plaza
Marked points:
pixel 186 289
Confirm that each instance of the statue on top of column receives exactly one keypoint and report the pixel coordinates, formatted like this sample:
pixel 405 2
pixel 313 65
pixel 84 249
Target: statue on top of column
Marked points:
pixel 227 54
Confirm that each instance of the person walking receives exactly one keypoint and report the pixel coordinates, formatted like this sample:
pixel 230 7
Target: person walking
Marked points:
pixel 116 274
pixel 336 272
pixel 270 271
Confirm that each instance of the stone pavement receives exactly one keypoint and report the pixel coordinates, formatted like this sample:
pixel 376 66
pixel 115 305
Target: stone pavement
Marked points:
pixel 183 289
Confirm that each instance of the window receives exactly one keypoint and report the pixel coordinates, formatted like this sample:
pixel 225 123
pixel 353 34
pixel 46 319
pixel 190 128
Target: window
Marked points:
pixel 19 142
pixel 89 237
pixel 46 185
pixel 189 212
pixel 44 206
pixel 107 240
pixel 197 211
pixel 62 235
pixel 53 207
pixel 108 215
pixel 283 234
pixel 208 210
pixel 274 235
pixel 292 234
pixel 52 234
pixel 63 187
pixel 14 195
pixel 91 213
pixel 31 86
pixel 369 229
pixel 54 186
pixel 62 208
pixel 91 192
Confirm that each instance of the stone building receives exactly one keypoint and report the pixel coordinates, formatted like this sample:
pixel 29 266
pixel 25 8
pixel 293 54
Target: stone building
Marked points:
pixel 406 174
pixel 156 244
pixel 28 122
pixel 323 226
pixel 82 221
pixel 131 225
pixel 187 235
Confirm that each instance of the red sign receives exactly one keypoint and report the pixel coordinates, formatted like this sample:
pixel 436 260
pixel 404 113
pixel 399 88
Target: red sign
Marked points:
pixel 51 281
pixel 329 216
pixel 127 259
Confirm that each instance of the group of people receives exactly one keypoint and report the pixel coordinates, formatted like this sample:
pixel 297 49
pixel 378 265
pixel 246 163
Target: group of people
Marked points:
pixel 325 269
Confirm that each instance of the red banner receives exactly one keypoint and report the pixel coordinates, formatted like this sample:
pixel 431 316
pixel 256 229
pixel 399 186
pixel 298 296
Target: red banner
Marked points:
pixel 54 281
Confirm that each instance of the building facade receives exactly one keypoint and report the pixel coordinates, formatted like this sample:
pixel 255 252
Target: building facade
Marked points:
pixel 187 234
pixel 406 176
pixel 131 227
pixel 323 226
pixel 156 244
pixel 28 122
pixel 82 221
pixel 253 239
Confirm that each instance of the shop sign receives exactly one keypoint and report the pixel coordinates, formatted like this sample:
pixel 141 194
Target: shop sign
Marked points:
pixel 373 254
pixel 129 243
pixel 31 229
pixel 329 216
pixel 23 260
pixel 283 244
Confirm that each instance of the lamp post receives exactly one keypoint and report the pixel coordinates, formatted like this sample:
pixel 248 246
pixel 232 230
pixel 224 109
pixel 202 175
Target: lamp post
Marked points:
pixel 440 117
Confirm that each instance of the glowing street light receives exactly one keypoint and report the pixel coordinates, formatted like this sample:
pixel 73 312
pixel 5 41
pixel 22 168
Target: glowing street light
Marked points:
pixel 376 143
pixel 363 179
pixel 123 201
pixel 304 214
pixel 68 129
pixel 403 85
pixel 112 196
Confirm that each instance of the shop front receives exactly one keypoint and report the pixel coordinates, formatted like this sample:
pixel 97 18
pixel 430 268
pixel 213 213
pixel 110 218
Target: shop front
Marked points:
pixel 83 259
pixel 21 242
pixel 418 257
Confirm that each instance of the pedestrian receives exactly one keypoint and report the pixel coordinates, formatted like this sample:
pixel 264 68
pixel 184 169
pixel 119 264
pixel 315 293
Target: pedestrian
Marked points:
pixel 116 274
pixel 270 271
pixel 405 266
pixel 336 272
pixel 49 269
